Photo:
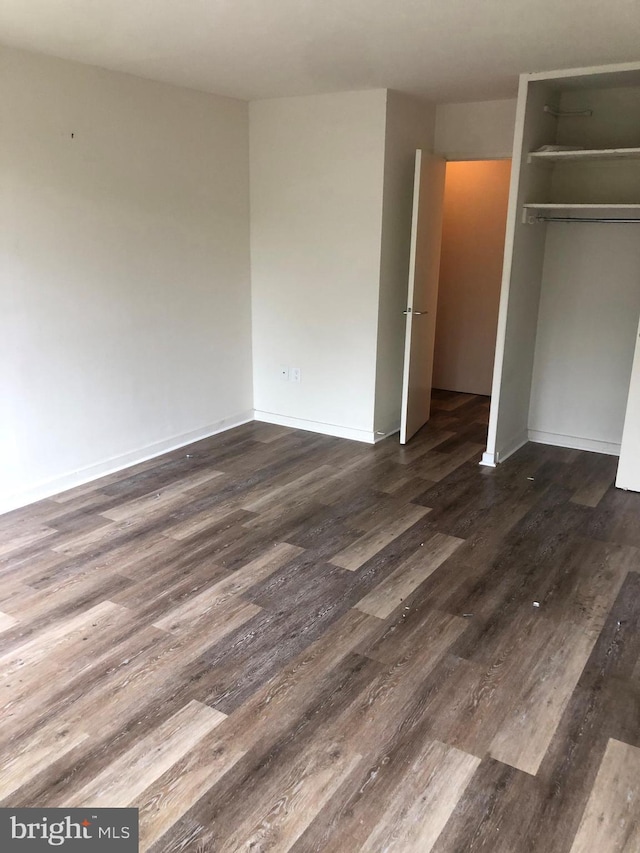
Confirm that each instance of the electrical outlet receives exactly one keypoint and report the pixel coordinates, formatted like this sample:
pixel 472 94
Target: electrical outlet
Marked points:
pixel 284 373
pixel 295 374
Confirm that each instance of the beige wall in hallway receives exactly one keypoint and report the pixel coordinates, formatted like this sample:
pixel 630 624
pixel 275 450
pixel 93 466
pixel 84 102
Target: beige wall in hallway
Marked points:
pixel 475 210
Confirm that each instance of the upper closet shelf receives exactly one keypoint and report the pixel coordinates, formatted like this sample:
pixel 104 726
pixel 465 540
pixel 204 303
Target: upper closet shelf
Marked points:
pixel 534 212
pixel 585 154
pixel 580 206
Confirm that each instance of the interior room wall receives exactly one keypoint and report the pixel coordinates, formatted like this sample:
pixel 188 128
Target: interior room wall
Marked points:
pixel 124 251
pixel 410 125
pixel 474 220
pixel 588 320
pixel 317 166
pixel 475 131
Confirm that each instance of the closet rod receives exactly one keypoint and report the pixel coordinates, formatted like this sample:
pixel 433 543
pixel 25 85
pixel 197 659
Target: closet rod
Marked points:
pixel 561 113
pixel 582 219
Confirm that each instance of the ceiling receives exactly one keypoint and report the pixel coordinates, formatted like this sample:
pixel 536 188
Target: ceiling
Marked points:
pixel 446 50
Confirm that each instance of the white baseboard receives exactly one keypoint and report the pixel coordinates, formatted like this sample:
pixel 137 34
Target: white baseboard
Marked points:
pixel 367 436
pixel 575 442
pixel 117 463
pixel 489 460
pixel 493 458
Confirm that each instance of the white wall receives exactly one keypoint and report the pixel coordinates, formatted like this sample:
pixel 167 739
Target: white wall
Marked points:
pixel 409 125
pixel 475 131
pixel 474 221
pixel 124 253
pixel 317 167
pixel 588 319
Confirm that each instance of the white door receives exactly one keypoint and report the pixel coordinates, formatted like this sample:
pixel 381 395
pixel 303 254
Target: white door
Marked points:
pixel 422 299
pixel 629 464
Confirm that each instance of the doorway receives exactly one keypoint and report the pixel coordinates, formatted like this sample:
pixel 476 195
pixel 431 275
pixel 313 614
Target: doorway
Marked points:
pixel 476 197
pixel 455 277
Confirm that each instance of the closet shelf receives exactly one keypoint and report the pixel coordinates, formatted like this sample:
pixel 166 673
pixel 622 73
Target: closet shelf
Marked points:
pixel 585 154
pixel 571 206
pixel 528 217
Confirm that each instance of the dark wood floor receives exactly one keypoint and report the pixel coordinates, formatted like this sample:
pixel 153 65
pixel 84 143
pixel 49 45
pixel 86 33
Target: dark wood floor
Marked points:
pixel 274 640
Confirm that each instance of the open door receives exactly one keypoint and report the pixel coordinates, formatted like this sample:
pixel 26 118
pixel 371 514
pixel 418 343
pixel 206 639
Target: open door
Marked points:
pixel 422 299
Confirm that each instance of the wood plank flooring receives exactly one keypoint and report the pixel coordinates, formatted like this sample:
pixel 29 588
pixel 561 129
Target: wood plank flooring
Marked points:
pixel 275 640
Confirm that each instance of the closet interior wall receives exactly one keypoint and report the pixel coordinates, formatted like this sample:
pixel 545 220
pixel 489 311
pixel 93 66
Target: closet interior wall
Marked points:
pixel 590 292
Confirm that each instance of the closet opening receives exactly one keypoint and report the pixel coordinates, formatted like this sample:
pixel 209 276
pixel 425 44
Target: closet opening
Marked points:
pixel 568 351
pixel 474 220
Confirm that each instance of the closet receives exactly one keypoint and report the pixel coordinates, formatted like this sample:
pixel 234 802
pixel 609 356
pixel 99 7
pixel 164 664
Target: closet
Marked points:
pixel 565 371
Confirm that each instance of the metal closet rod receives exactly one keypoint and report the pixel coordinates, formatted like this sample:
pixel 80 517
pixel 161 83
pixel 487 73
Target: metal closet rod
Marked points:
pixel 583 219
pixel 561 113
